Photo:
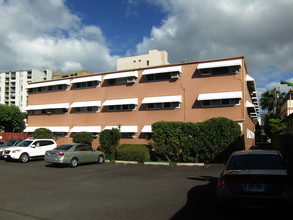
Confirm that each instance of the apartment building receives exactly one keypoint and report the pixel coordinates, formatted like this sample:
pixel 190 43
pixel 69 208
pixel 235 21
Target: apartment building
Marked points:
pixel 13 83
pixel 287 111
pixel 136 98
pixel 153 58
pixel 58 75
pixel 287 106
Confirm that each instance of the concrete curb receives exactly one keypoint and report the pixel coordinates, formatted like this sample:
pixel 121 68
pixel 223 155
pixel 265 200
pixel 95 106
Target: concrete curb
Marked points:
pixel 190 164
pixel 157 163
pixel 126 162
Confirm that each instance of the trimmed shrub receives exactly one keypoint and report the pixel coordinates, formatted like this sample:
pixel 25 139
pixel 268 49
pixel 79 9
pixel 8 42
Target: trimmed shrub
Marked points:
pixel 109 142
pixel 43 133
pixel 133 152
pixel 83 137
pixel 208 141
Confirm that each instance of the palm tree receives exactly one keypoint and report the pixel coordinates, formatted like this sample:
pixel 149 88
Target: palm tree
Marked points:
pixel 272 100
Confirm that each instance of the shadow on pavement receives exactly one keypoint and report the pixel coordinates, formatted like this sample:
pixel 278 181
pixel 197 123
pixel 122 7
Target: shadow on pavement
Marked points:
pixel 201 200
pixel 202 204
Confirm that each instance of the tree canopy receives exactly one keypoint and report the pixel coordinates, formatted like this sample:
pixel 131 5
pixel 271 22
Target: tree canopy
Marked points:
pixel 272 98
pixel 11 118
pixel 272 101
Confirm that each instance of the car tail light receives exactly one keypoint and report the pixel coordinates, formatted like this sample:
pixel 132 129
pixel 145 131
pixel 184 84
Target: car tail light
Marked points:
pixel 46 153
pixel 226 181
pixel 61 154
pixel 282 182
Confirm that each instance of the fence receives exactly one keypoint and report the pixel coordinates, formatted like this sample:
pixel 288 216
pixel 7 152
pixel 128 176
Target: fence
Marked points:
pixel 5 136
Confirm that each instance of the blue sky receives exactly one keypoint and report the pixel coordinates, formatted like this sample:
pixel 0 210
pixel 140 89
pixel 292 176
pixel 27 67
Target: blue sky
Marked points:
pixel 72 35
pixel 124 23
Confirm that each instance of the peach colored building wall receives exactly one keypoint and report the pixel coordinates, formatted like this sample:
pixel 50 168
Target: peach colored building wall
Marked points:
pixel 189 86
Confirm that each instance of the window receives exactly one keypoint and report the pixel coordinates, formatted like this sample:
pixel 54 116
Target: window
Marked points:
pixel 220 71
pixel 84 85
pixel 88 148
pixel 158 77
pixel 122 81
pixel 45 143
pixel 119 81
pixel 89 109
pixel 128 135
pixel 47 111
pixel 121 107
pixel 220 102
pixel 79 148
pixel 48 89
pixel 166 105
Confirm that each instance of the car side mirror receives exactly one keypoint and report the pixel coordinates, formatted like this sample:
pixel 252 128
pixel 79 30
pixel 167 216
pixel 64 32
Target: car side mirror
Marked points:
pixel 33 146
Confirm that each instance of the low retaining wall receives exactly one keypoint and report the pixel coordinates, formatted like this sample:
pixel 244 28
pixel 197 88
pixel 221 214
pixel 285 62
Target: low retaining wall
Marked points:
pixel 5 136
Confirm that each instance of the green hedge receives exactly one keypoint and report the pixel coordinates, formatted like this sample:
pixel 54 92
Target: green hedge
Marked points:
pixel 109 142
pixel 133 152
pixel 209 141
pixel 83 137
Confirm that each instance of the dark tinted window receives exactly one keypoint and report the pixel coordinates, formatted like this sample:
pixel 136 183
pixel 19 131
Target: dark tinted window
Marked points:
pixel 64 147
pixel 11 142
pixel 79 148
pixel 88 148
pixel 254 161
pixel 45 143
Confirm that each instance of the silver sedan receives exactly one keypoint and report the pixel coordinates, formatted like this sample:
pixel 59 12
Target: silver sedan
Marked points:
pixel 74 154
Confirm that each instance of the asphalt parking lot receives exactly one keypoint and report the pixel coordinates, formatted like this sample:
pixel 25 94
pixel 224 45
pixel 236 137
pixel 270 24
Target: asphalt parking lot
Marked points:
pixel 37 190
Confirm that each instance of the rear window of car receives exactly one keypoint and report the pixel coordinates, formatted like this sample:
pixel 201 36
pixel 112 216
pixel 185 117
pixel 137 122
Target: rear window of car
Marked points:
pixel 253 161
pixel 64 147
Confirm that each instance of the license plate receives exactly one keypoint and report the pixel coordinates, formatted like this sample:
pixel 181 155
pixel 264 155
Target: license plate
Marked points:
pixel 255 187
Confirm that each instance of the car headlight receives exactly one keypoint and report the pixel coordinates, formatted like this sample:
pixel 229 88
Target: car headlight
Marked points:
pixel 15 151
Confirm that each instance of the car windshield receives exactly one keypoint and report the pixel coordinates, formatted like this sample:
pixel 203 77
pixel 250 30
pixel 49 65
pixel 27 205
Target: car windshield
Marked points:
pixel 24 143
pixel 64 147
pixel 254 161
pixel 8 143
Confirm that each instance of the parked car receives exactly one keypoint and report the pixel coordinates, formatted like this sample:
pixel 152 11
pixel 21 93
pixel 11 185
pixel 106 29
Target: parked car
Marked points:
pixel 74 154
pixel 9 143
pixel 28 149
pixel 254 178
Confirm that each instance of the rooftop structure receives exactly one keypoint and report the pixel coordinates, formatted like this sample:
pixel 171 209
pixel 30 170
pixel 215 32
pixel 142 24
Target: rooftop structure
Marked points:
pixel 153 58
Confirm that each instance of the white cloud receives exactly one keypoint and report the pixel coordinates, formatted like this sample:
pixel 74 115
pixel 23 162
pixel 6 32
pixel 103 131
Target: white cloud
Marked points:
pixel 261 30
pixel 45 34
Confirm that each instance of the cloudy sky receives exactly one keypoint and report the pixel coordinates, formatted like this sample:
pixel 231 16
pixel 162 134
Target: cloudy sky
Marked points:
pixel 70 35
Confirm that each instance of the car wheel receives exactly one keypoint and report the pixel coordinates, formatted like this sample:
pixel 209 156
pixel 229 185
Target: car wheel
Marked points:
pixel 24 158
pixel 73 162
pixel 101 159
